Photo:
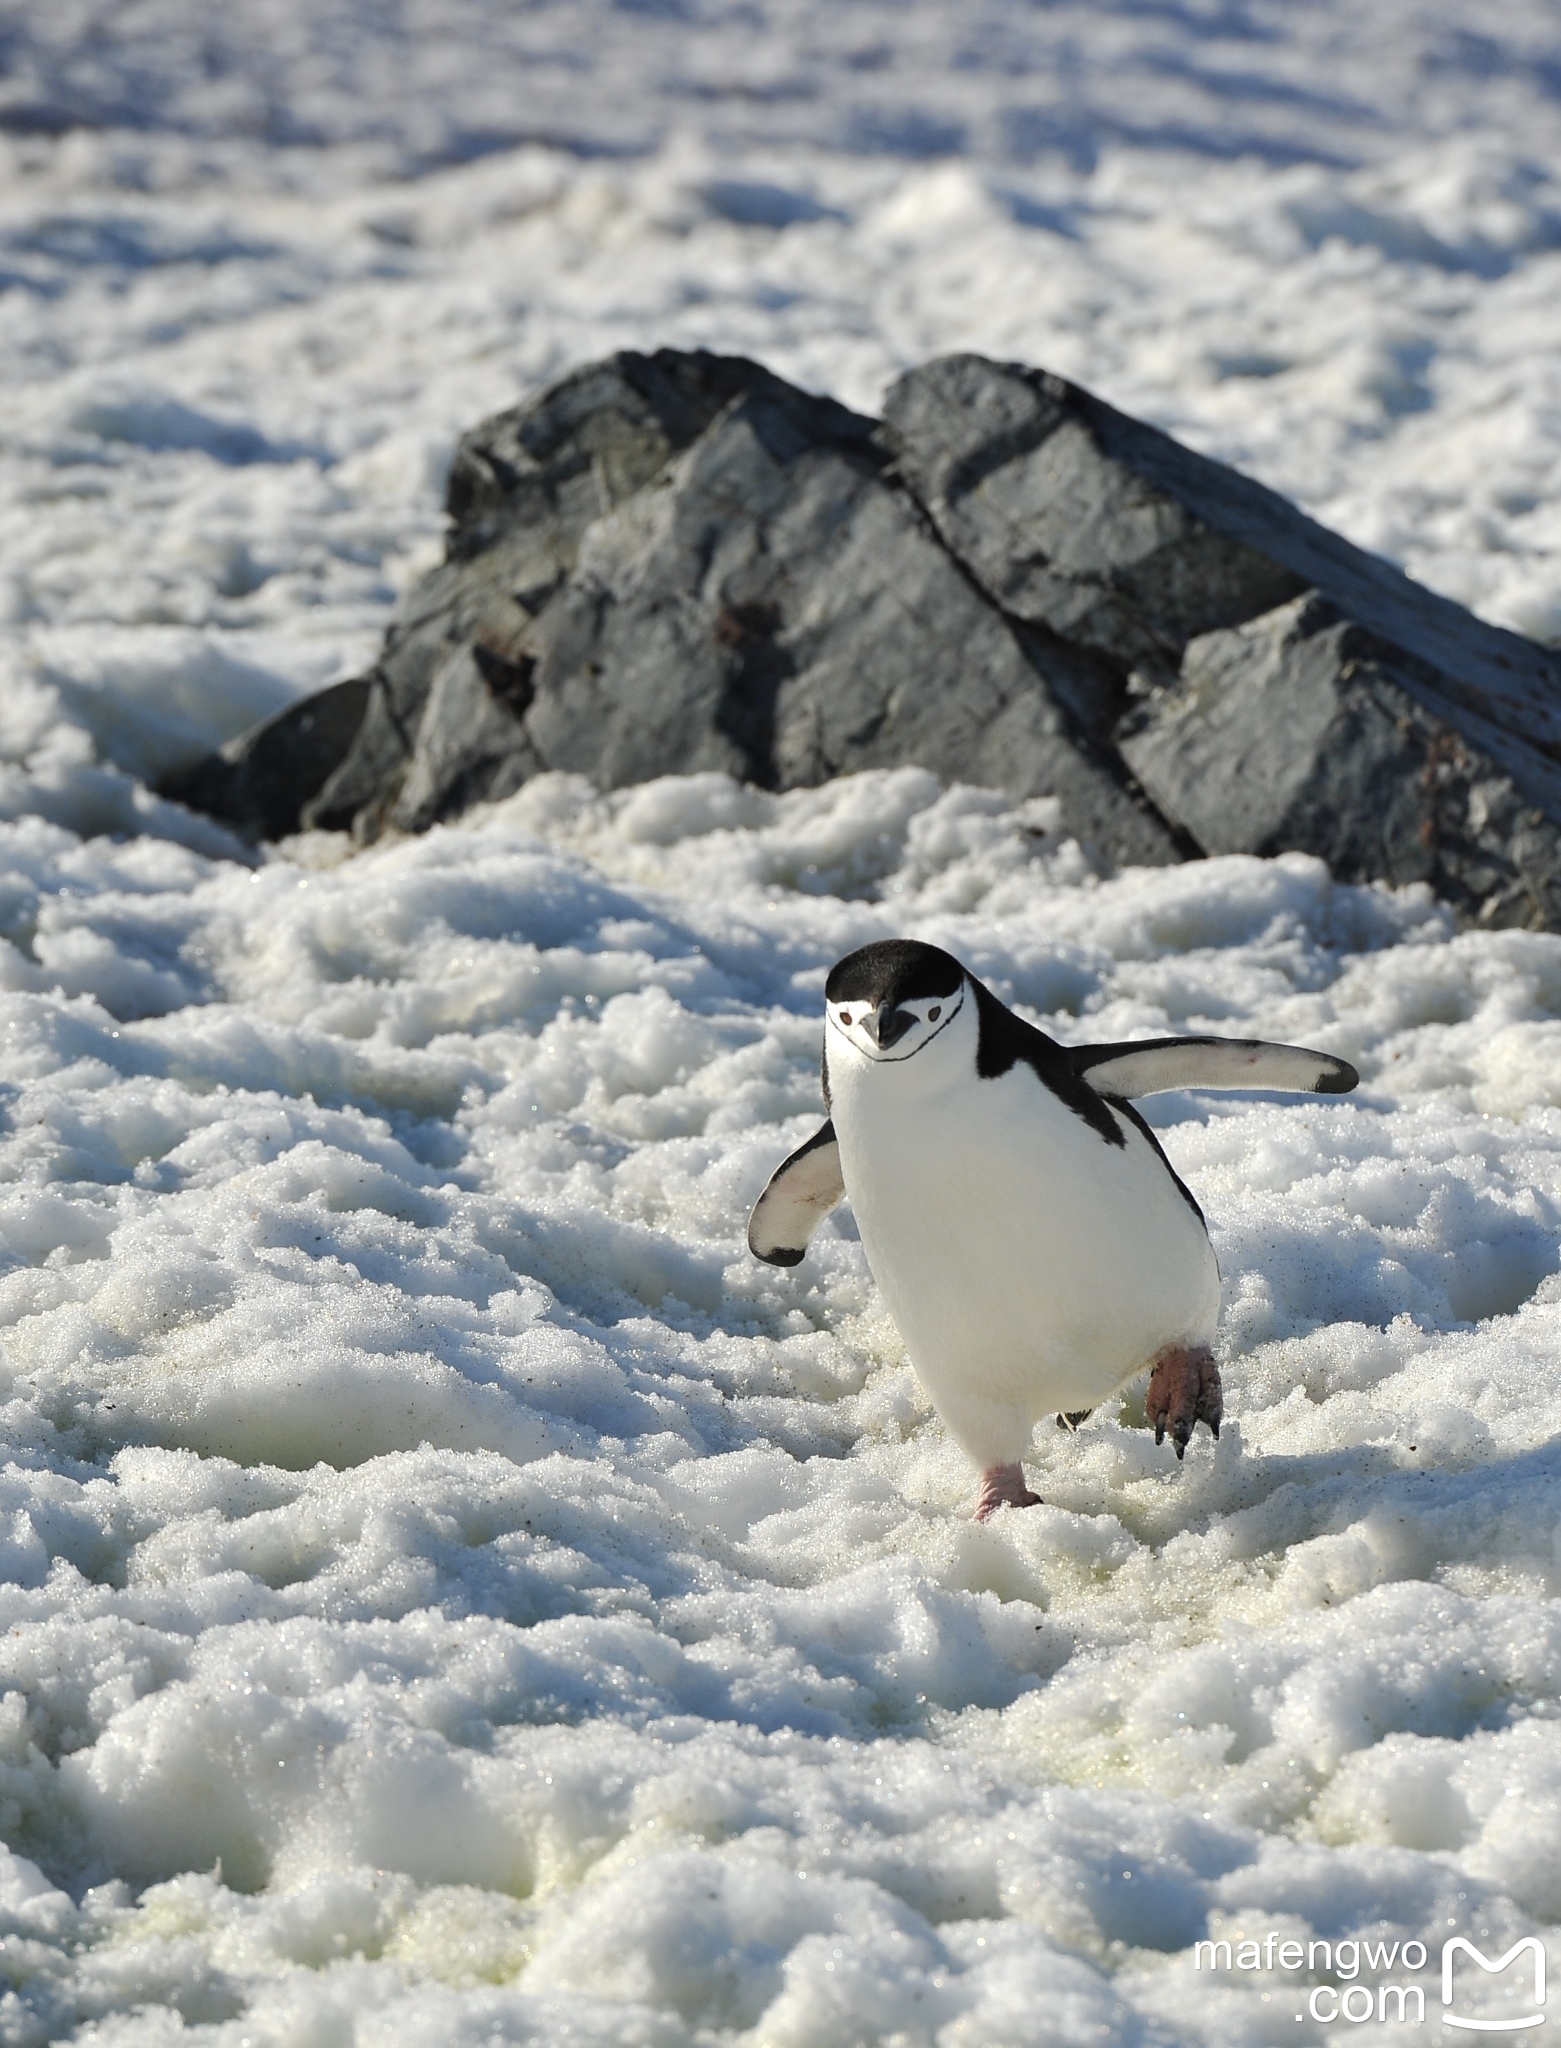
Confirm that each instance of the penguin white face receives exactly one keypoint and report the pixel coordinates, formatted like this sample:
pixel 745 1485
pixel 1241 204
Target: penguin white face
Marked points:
pixel 893 1031
pixel 890 1000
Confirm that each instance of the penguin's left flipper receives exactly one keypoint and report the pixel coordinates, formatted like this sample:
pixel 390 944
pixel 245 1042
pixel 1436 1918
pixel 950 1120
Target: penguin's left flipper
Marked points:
pixel 802 1190
pixel 1147 1065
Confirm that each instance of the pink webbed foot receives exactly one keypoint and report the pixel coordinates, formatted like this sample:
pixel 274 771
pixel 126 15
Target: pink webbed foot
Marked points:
pixel 1003 1486
pixel 1184 1389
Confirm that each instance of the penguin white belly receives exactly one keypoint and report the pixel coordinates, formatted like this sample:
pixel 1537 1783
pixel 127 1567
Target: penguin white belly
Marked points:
pixel 1029 1265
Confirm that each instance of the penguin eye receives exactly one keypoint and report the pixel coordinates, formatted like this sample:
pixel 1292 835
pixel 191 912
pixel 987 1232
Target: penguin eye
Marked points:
pixel 934 1013
pixel 845 1016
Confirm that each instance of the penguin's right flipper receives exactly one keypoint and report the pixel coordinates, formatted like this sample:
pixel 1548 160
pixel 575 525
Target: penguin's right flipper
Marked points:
pixel 1146 1065
pixel 802 1190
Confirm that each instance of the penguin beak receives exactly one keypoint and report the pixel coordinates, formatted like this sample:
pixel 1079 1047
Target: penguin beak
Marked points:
pixel 886 1026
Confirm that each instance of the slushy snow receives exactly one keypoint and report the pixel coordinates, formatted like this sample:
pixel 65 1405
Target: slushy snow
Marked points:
pixel 452 1593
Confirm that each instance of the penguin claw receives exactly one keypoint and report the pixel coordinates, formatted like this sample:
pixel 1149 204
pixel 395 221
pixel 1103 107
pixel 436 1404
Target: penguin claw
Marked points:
pixel 1003 1486
pixel 1184 1390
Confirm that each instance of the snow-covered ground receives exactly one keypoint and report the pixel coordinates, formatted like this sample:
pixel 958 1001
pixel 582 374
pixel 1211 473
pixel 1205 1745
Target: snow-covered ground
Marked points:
pixel 451 1593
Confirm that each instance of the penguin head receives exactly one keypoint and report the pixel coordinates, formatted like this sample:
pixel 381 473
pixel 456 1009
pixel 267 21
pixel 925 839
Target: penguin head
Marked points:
pixel 889 1000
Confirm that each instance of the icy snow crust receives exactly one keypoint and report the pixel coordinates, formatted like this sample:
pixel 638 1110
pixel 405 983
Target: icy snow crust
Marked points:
pixel 452 1594
pixel 474 1595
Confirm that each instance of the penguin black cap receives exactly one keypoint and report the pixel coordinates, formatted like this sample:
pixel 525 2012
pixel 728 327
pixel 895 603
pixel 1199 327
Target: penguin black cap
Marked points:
pixel 893 971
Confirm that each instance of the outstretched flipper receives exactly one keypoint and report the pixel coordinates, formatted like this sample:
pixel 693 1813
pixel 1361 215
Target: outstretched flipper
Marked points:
pixel 1145 1066
pixel 802 1190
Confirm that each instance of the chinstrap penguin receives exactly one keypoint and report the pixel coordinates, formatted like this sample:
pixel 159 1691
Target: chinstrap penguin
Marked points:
pixel 1033 1243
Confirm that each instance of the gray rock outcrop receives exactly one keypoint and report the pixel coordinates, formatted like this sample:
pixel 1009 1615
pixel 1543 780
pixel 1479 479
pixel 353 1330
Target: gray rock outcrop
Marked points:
pixel 1301 729
pixel 679 562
